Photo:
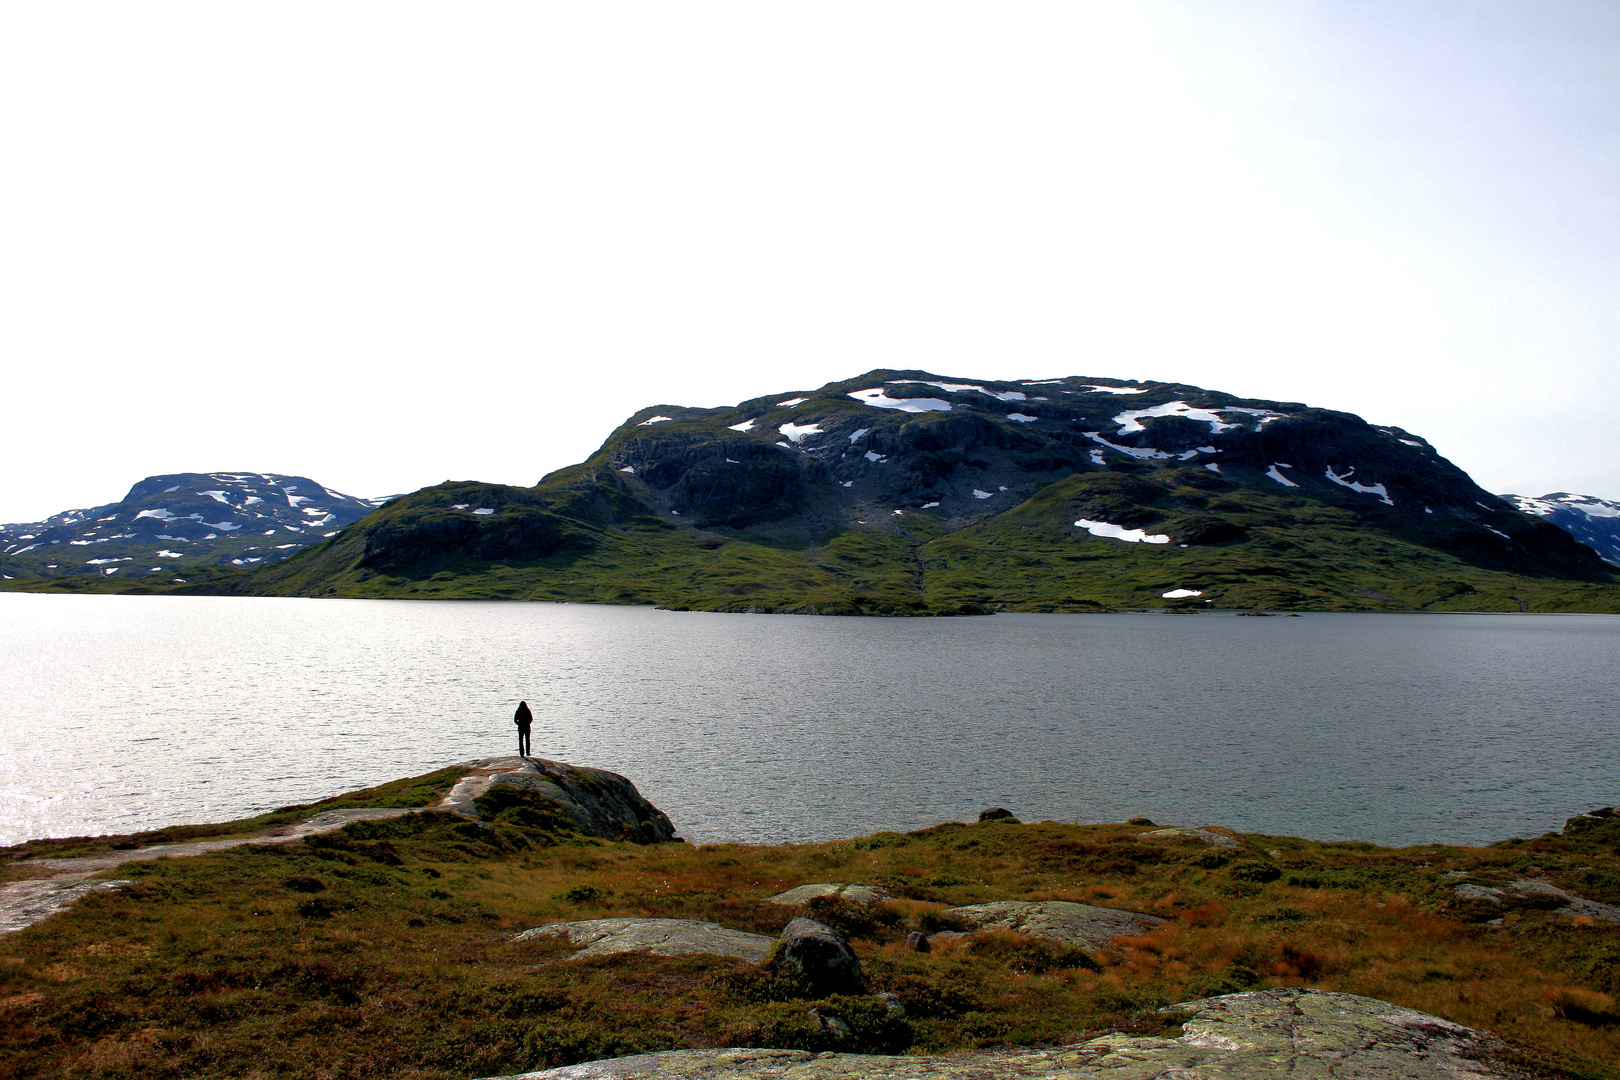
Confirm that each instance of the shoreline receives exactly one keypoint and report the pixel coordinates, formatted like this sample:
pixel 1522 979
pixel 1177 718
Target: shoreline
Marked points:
pixel 552 935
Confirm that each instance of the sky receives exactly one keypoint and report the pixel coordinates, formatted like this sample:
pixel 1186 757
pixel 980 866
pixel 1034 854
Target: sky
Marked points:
pixel 384 245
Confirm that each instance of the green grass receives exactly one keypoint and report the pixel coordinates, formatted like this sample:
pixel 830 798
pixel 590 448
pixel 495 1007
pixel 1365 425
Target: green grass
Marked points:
pixel 385 949
pixel 820 548
pixel 409 793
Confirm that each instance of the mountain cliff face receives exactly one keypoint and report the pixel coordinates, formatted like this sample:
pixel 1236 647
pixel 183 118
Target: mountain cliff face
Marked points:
pixel 908 492
pixel 1594 522
pixel 181 522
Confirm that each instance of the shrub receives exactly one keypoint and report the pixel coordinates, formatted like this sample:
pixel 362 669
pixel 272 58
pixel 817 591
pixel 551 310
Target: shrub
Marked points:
pixel 1029 956
pixel 874 922
pixel 583 894
pixel 1257 873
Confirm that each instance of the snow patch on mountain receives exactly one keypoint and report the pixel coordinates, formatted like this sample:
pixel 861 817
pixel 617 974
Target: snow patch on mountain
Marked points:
pixel 1141 453
pixel 879 398
pixel 1343 480
pixel 1119 532
pixel 1279 477
pixel 1593 521
pixel 962 388
pixel 796 432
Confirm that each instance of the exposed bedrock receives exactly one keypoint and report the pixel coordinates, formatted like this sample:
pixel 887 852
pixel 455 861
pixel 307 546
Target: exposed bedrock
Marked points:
pixel 1083 926
pixel 654 937
pixel 1264 1035
pixel 854 894
pixel 597 802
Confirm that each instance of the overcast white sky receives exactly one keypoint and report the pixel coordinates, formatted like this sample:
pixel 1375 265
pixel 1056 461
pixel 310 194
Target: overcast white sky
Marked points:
pixel 389 244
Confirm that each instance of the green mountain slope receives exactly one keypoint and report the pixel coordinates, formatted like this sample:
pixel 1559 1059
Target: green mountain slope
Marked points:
pixel 905 492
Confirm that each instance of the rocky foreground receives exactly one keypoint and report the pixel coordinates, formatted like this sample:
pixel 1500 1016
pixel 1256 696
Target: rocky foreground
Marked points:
pixel 514 914
pixel 1265 1035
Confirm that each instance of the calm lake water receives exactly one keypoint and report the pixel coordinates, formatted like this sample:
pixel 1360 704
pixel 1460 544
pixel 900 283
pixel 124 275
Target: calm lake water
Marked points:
pixel 120 713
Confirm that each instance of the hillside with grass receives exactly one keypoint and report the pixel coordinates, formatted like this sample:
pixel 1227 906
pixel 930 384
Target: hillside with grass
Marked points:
pixel 393 947
pixel 901 492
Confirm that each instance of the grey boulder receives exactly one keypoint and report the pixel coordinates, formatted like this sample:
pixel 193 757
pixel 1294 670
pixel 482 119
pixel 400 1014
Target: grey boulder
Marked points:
pixel 1193 832
pixel 1084 926
pixel 818 954
pixel 855 894
pixel 1528 888
pixel 655 937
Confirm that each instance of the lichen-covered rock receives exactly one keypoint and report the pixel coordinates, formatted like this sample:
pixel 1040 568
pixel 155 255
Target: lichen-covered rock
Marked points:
pixel 598 802
pixel 655 937
pixel 1559 901
pixel 1195 832
pixel 1083 926
pixel 818 954
pixel 855 894
pixel 1266 1035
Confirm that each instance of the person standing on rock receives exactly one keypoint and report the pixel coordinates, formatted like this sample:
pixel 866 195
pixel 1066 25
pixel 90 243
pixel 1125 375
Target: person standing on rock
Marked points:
pixel 524 719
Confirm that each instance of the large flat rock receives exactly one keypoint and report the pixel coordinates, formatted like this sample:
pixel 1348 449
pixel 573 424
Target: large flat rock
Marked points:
pixel 1266 1035
pixel 656 937
pixel 855 894
pixel 1531 887
pixel 1195 832
pixel 1082 925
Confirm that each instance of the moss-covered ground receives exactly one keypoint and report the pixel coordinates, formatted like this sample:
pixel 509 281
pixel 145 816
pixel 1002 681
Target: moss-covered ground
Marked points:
pixel 1019 562
pixel 386 949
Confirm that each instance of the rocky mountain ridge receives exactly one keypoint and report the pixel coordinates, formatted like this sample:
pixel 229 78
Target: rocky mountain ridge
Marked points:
pixel 905 492
pixel 180 522
pixel 1593 521
pixel 908 492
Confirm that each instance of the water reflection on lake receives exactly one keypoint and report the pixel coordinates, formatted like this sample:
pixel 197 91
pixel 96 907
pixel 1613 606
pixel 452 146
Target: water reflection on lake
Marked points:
pixel 119 713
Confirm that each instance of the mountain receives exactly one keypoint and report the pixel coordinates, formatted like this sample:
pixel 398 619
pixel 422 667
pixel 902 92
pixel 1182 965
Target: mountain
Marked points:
pixel 1594 522
pixel 179 523
pixel 906 492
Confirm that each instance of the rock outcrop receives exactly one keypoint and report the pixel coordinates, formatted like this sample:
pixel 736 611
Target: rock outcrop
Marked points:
pixel 1545 893
pixel 598 802
pixel 855 894
pixel 1197 832
pixel 655 937
pixel 1084 926
pixel 1265 1035
pixel 595 802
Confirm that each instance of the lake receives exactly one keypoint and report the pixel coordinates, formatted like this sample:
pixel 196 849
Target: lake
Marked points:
pixel 120 713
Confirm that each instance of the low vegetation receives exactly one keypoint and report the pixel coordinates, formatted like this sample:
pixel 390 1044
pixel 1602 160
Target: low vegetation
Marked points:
pixel 385 950
pixel 966 508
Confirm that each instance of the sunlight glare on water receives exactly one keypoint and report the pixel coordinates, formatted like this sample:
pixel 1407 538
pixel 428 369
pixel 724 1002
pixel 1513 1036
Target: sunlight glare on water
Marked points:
pixel 120 713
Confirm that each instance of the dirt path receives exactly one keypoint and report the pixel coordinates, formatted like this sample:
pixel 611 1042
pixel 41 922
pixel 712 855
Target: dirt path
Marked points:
pixel 63 883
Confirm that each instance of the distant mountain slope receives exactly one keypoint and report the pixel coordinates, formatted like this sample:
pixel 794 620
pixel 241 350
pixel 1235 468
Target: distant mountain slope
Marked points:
pixel 180 522
pixel 1594 522
pixel 908 492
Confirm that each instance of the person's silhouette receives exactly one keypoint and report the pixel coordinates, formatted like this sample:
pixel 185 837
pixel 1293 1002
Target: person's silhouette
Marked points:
pixel 523 718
